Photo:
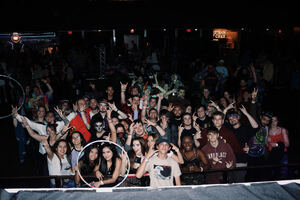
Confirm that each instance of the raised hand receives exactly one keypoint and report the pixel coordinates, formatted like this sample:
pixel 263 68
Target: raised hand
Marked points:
pixel 123 86
pixel 14 110
pixel 194 116
pixel 75 107
pixel 59 111
pixel 229 164
pixel 243 109
pixel 197 127
pixel 216 159
pixel 254 94
pixel 170 107
pixel 180 128
pixel 112 106
pixel 197 136
pixel 174 147
pixel 150 123
pixel 151 152
pixel 130 117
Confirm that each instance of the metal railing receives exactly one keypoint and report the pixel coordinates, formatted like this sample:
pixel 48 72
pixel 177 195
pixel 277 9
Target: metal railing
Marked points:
pixel 224 171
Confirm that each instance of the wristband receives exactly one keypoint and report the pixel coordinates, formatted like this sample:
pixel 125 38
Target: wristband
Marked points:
pixel 101 183
pixel 201 169
pixel 146 159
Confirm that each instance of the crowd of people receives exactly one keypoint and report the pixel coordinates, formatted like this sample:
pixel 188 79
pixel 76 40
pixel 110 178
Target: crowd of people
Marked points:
pixel 174 130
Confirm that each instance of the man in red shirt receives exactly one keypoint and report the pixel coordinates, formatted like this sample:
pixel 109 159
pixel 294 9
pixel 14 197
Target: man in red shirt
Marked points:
pixel 82 120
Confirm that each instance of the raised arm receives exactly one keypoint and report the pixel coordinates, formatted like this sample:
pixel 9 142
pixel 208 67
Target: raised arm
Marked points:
pixel 158 128
pixel 48 86
pixel 40 128
pixel 82 109
pixel 178 157
pixel 144 110
pixel 33 134
pixel 112 128
pixel 141 170
pixel 121 114
pixel 250 118
pixel 160 98
pixel 123 90
pixel 45 144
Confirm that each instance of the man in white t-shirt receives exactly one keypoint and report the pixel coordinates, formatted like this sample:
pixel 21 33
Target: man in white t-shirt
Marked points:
pixel 162 169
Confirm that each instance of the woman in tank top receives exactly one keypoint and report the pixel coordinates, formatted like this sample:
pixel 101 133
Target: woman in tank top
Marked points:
pixel 195 160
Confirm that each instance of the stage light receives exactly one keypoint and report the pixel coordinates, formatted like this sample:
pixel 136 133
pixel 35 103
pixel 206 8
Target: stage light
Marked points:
pixel 70 32
pixel 132 30
pixel 188 30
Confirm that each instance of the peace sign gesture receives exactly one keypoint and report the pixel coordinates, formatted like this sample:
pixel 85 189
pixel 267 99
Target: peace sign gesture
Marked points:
pixel 254 94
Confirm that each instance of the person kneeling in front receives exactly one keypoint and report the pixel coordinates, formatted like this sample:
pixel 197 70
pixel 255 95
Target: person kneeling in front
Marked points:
pixel 162 168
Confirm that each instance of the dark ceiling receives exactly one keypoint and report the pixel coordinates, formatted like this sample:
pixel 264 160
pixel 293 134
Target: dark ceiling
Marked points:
pixel 37 15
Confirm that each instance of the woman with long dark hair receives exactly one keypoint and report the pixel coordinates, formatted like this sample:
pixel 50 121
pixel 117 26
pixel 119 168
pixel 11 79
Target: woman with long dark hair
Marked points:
pixel 58 162
pixel 110 166
pixel 88 164
pixel 77 143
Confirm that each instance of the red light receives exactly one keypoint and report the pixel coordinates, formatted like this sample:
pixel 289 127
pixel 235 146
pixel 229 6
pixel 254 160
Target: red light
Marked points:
pixel 70 32
pixel 131 30
pixel 279 31
pixel 188 30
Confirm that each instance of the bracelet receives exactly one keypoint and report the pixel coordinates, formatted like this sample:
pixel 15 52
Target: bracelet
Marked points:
pixel 201 169
pixel 146 159
pixel 101 183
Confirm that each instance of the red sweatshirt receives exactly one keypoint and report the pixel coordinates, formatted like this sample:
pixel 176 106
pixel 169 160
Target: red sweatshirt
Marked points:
pixel 224 153
pixel 78 123
pixel 227 135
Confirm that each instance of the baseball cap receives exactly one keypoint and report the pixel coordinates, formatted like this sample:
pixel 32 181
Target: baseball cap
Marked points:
pixel 160 140
pixel 267 113
pixel 232 113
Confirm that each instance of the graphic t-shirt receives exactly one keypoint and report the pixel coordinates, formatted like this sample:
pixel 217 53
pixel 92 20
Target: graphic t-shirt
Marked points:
pixel 162 172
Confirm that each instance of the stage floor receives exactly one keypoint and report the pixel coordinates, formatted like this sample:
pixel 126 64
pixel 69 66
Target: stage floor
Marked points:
pixel 281 190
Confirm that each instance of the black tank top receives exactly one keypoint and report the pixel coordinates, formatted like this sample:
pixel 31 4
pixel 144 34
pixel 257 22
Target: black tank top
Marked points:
pixel 194 161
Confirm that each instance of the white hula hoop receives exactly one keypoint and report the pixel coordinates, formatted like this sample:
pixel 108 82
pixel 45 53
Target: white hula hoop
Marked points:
pixel 23 99
pixel 101 141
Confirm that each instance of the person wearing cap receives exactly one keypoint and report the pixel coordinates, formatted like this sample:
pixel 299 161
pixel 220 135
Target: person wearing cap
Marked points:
pixel 161 168
pixel 243 133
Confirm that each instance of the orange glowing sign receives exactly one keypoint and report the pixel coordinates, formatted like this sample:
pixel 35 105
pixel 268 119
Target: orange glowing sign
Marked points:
pixel 219 33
